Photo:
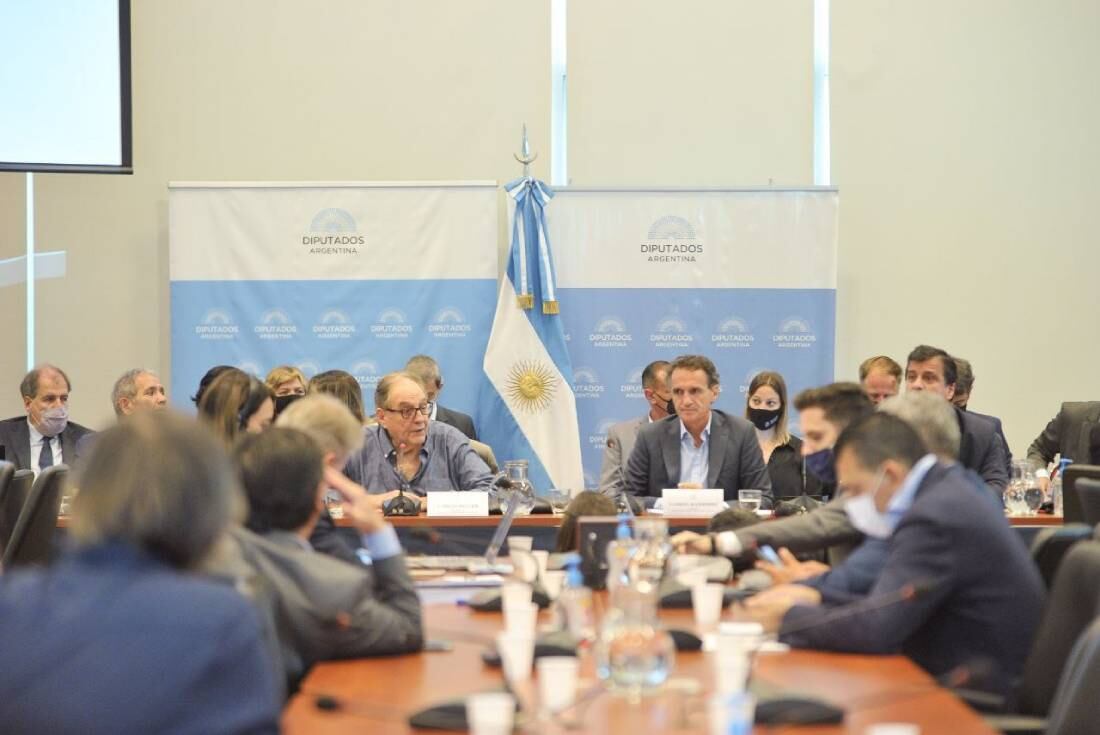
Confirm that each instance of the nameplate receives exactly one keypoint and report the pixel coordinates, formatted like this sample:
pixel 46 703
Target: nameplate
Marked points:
pixel 458 504
pixel 703 503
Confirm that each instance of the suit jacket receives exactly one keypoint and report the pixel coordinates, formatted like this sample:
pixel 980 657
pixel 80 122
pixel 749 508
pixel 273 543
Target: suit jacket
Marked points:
pixel 620 443
pixel 982 450
pixel 327 609
pixel 825 527
pixel 735 460
pixel 1067 433
pixel 982 596
pixel 998 427
pixel 133 646
pixel 15 439
pixel 457 419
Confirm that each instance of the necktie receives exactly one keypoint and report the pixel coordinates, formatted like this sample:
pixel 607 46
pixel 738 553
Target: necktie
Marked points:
pixel 45 459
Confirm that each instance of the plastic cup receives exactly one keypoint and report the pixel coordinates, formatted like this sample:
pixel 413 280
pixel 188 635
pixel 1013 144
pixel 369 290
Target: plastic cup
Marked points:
pixel 893 728
pixel 557 681
pixel 732 672
pixel 552 582
pixel 514 593
pixel 521 618
pixel 523 543
pixel 692 578
pixel 490 713
pixel 706 601
pixel 739 638
pixel 543 560
pixel 516 655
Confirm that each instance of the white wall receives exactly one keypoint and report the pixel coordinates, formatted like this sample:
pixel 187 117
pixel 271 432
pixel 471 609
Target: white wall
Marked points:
pixel 964 146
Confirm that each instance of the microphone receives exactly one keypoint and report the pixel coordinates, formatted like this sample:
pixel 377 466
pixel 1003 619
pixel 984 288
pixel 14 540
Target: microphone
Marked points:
pixel 401 505
pixel 907 593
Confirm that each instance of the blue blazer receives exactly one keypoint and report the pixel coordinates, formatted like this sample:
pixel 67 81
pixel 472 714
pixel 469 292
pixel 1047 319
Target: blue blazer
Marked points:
pixel 109 640
pixel 984 595
pixel 983 450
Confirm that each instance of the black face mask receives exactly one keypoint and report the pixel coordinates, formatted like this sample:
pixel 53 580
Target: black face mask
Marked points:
pixel 281 402
pixel 671 408
pixel 763 418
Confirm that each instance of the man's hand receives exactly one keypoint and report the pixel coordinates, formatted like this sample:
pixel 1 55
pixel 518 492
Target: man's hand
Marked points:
pixel 785 594
pixel 360 507
pixel 689 542
pixel 791 569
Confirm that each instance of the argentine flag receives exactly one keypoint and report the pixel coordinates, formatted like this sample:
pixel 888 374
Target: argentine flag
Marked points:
pixel 527 410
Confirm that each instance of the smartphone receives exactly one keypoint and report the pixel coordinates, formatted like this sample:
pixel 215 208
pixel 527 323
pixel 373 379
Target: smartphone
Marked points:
pixel 438 646
pixel 768 554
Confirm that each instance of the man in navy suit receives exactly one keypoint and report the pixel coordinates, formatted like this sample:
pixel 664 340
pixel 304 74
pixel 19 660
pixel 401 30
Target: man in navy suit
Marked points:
pixel 698 447
pixel 964 386
pixel 982 450
pixel 44 436
pixel 119 636
pixel 956 588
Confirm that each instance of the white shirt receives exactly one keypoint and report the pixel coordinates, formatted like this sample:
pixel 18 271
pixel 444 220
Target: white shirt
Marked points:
pixel 36 447
pixel 695 460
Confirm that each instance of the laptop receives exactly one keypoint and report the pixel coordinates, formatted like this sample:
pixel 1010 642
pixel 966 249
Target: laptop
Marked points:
pixel 484 564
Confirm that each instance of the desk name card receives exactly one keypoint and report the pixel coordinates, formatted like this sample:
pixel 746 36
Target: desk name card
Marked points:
pixel 466 504
pixel 683 502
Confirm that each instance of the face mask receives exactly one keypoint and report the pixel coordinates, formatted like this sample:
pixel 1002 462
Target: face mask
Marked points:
pixel 822 466
pixel 671 408
pixel 866 517
pixel 281 402
pixel 54 421
pixel 763 418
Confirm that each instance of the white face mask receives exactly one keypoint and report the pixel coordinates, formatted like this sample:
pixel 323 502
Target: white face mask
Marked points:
pixel 865 516
pixel 54 420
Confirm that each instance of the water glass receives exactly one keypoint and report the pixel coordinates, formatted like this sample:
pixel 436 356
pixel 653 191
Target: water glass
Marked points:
pixel 706 601
pixel 558 499
pixel 750 499
pixel 490 713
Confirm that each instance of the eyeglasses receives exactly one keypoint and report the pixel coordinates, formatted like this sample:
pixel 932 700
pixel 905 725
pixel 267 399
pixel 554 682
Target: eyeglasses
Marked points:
pixel 424 409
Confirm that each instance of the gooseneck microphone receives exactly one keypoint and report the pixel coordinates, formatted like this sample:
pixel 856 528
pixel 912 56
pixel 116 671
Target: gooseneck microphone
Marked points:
pixel 401 504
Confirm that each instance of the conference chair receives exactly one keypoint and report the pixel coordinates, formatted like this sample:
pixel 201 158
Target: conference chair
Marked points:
pixel 32 539
pixel 12 502
pixel 1076 708
pixel 1072 509
pixel 486 453
pixel 1051 545
pixel 1088 492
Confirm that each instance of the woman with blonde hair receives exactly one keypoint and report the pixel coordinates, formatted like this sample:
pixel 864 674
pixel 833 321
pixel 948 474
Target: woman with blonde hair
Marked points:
pixel 766 406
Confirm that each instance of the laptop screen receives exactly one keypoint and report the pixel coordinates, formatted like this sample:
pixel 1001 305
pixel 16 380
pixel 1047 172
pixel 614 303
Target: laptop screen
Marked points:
pixel 501 533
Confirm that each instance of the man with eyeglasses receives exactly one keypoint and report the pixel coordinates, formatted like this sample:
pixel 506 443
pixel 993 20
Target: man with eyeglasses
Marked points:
pixel 405 450
pixel 621 436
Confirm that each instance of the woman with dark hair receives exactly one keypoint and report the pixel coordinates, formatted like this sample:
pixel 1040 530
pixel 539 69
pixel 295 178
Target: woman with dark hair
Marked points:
pixel 209 377
pixel 587 503
pixel 236 403
pixel 343 386
pixel 766 407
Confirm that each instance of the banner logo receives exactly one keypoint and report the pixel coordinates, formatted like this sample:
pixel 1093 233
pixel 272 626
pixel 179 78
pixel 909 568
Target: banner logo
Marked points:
pixel 671 333
pixel 632 388
pixel 333 231
pixel 671 239
pixel 449 322
pixel 217 324
pixel 366 372
pixel 334 324
pixel 586 383
pixel 733 332
pixel 598 438
pixel 275 324
pixel 610 332
pixel 794 333
pixel 250 367
pixel 391 324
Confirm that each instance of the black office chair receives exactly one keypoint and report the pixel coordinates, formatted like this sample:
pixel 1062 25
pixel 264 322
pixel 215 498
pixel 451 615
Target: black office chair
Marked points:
pixel 1076 708
pixel 32 539
pixel 1051 545
pixel 1072 510
pixel 1088 492
pixel 12 502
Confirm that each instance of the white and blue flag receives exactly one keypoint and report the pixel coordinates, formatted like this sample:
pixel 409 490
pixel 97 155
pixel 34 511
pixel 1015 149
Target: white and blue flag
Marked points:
pixel 527 410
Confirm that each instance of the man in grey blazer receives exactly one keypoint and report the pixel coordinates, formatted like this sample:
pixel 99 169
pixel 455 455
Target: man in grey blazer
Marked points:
pixel 823 413
pixel 1069 434
pixel 44 436
pixel 698 447
pixel 621 436
pixel 324 608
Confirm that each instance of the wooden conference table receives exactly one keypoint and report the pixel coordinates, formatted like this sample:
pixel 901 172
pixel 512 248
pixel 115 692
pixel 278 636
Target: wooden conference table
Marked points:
pixel 377 695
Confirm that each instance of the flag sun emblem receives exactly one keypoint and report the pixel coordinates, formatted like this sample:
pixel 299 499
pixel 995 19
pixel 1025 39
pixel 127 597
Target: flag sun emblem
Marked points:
pixel 531 385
